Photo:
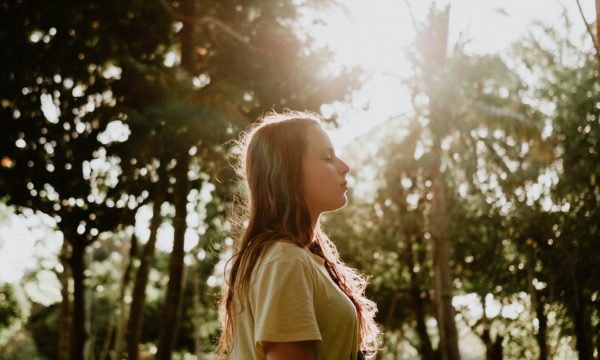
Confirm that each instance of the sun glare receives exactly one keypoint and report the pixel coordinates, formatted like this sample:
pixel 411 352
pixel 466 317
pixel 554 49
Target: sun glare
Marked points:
pixel 373 35
pixel 368 34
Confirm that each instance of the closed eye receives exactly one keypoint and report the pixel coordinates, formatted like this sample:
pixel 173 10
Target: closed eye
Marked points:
pixel 329 155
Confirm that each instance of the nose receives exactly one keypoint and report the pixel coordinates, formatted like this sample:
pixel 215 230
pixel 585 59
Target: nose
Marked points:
pixel 343 167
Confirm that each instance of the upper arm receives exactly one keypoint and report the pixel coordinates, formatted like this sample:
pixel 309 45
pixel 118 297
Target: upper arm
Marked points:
pixel 300 350
pixel 282 302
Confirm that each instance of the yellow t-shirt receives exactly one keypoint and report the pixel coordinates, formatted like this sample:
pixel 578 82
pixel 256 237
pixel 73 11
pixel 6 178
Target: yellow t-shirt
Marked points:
pixel 291 297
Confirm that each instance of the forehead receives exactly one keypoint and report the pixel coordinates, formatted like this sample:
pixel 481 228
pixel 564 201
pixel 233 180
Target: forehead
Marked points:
pixel 317 139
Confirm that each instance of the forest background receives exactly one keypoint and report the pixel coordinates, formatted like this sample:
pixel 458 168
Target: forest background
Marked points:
pixel 474 201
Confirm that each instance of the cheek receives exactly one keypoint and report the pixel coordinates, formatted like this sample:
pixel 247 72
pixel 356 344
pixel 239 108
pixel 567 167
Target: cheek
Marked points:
pixel 310 183
pixel 314 181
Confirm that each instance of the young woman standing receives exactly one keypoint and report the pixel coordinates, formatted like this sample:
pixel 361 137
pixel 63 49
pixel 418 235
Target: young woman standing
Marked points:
pixel 290 296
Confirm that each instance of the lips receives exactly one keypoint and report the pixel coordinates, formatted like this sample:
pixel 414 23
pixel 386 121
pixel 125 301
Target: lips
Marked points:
pixel 344 185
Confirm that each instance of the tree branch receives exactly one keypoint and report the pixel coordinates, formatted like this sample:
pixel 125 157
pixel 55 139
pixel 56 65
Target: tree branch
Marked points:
pixel 589 28
pixel 206 20
pixel 412 16
pixel 499 160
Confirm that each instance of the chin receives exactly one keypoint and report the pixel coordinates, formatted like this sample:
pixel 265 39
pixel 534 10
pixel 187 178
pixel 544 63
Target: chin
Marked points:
pixel 338 205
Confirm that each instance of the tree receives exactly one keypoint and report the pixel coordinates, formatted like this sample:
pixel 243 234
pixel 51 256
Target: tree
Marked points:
pixel 433 47
pixel 60 59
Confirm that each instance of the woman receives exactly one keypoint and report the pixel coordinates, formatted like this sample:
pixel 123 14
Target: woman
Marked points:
pixel 290 296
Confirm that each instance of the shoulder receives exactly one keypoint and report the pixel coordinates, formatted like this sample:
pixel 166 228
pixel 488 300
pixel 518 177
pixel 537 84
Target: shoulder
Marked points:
pixel 284 258
pixel 284 265
pixel 287 253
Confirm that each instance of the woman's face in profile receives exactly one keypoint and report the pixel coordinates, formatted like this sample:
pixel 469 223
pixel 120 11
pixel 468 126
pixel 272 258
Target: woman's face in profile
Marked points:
pixel 324 174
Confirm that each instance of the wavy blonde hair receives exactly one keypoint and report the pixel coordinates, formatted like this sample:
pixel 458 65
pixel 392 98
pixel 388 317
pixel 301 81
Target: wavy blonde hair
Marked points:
pixel 269 163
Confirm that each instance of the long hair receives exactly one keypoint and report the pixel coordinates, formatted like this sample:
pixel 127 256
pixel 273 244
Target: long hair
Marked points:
pixel 269 163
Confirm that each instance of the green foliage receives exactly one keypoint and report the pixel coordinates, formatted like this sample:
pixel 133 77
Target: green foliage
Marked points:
pixel 43 327
pixel 570 248
pixel 10 310
pixel 20 347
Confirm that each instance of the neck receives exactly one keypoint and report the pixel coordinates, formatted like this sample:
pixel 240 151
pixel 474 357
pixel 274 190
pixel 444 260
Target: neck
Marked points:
pixel 314 223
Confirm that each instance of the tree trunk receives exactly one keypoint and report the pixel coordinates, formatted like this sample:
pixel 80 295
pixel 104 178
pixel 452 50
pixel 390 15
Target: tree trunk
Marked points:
pixel 542 334
pixel 66 306
pixel 172 308
pixel 110 329
pixel 134 326
pixel 425 347
pixel 128 253
pixel 172 312
pixel 79 331
pixel 441 262
pixel 581 318
pixel 598 323
pixel 496 353
pixel 597 39
pixel 598 29
pixel 88 346
pixel 433 46
pixel 188 58
pixel 537 307
pixel 485 336
pixel 197 320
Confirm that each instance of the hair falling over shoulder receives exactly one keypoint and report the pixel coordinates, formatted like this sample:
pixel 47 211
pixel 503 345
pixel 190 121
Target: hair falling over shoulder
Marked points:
pixel 269 208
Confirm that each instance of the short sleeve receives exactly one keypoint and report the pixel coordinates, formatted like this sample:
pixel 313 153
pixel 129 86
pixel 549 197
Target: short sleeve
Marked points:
pixel 282 298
